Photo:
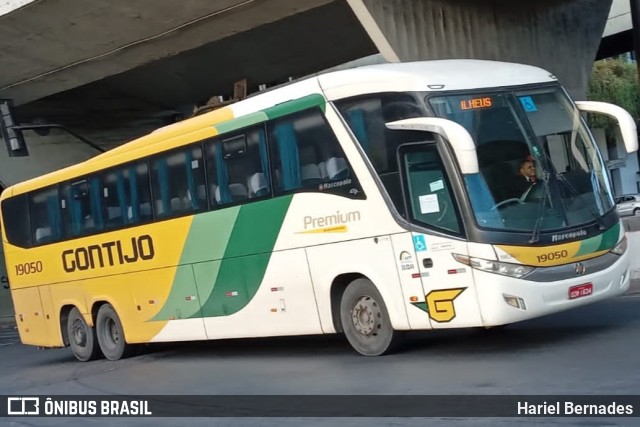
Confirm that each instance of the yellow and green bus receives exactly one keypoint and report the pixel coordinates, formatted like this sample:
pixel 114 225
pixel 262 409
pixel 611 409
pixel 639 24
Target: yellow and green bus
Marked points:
pixel 367 202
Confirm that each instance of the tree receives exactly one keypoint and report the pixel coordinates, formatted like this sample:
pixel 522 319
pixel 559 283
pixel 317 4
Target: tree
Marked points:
pixel 614 81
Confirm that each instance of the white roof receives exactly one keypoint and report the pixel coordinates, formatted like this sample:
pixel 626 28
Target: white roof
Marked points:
pixel 445 75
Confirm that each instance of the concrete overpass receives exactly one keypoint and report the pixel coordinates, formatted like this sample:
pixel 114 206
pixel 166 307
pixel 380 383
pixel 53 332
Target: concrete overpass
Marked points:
pixel 618 33
pixel 115 69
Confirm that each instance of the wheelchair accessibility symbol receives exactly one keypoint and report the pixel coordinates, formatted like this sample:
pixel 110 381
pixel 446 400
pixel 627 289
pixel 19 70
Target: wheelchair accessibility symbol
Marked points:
pixel 529 104
pixel 419 243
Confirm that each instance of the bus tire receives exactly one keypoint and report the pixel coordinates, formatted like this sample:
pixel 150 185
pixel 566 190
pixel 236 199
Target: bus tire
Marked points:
pixel 82 337
pixel 111 334
pixel 365 320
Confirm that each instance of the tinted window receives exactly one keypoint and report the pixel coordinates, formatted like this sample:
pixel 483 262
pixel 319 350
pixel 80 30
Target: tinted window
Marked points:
pixel 306 155
pixel 238 167
pixel 178 183
pixel 45 214
pixel 127 199
pixel 15 216
pixel 367 118
pixel 82 207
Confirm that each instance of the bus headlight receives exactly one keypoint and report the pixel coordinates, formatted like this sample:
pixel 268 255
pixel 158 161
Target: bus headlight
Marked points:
pixel 504 268
pixel 621 247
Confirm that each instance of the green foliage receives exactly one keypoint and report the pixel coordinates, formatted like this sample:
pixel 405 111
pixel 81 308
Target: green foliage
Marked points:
pixel 614 81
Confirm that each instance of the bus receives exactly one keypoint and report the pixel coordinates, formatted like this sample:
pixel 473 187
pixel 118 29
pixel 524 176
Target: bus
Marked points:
pixel 367 202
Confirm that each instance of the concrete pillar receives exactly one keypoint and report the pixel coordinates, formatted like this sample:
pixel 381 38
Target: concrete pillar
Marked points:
pixel 559 35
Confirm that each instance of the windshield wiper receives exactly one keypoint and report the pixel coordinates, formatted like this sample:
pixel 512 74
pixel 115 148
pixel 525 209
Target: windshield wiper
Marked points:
pixel 535 235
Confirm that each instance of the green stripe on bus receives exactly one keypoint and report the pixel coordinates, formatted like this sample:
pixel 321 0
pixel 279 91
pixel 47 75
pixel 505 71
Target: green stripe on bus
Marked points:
pixel 209 235
pixel 241 122
pixel 246 257
pixel 589 246
pixel 610 238
pixel 290 107
pixel 207 240
pixel 224 259
pixel 601 242
pixel 178 305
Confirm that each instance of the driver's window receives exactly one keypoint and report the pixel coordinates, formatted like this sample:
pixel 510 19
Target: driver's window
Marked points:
pixel 430 200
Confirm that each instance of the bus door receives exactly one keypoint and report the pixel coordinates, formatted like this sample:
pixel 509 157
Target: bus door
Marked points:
pixel 449 296
pixel 450 299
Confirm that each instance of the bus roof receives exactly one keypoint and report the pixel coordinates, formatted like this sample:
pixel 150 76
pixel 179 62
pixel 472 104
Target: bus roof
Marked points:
pixel 437 76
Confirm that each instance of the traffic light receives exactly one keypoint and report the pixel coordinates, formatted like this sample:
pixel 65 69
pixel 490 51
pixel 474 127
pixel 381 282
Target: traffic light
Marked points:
pixel 11 132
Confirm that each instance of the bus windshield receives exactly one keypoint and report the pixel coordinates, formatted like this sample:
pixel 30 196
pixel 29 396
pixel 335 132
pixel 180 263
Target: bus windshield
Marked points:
pixel 539 168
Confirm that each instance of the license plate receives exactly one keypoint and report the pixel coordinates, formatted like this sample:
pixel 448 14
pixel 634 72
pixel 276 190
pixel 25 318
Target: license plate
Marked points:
pixel 580 291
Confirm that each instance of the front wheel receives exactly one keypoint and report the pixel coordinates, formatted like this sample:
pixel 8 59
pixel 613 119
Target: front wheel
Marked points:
pixel 111 334
pixel 82 337
pixel 636 212
pixel 365 320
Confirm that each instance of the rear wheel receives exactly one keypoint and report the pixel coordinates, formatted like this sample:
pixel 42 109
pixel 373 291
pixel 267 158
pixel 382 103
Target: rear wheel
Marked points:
pixel 636 212
pixel 365 319
pixel 111 334
pixel 82 337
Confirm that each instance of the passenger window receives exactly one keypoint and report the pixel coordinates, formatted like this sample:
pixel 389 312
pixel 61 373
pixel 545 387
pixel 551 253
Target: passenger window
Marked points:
pixel 44 211
pixel 306 155
pixel 367 118
pixel 82 207
pixel 127 199
pixel 238 167
pixel 178 183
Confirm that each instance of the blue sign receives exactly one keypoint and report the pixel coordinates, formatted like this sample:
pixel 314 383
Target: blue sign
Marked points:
pixel 419 243
pixel 529 104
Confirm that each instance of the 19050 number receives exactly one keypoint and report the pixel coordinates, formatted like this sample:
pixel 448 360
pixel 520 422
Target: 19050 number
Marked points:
pixel 29 268
pixel 552 256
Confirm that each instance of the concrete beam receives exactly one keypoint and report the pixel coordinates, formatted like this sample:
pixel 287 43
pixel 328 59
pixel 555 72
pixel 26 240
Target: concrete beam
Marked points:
pixel 619 18
pixel 559 35
pixel 55 45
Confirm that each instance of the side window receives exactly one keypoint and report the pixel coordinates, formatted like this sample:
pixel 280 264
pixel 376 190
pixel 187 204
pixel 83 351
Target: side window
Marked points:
pixel 238 167
pixel 430 199
pixel 306 155
pixel 178 182
pixel 126 194
pixel 367 117
pixel 46 219
pixel 82 207
pixel 15 220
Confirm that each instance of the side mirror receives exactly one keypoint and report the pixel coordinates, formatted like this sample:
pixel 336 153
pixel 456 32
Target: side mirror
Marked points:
pixel 460 140
pixel 627 124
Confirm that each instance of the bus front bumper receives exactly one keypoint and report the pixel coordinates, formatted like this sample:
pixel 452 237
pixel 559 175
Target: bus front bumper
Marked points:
pixel 505 300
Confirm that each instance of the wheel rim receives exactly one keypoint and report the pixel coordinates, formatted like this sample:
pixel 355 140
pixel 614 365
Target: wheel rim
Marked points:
pixel 111 333
pixel 366 316
pixel 79 333
pixel 637 213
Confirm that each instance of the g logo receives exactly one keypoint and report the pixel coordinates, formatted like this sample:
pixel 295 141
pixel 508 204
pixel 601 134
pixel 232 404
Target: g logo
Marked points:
pixel 440 304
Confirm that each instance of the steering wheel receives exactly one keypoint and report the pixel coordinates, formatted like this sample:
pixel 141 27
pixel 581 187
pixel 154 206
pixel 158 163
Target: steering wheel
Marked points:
pixel 507 202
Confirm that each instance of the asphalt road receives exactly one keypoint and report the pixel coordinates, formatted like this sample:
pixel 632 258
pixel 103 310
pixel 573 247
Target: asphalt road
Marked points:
pixel 590 350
